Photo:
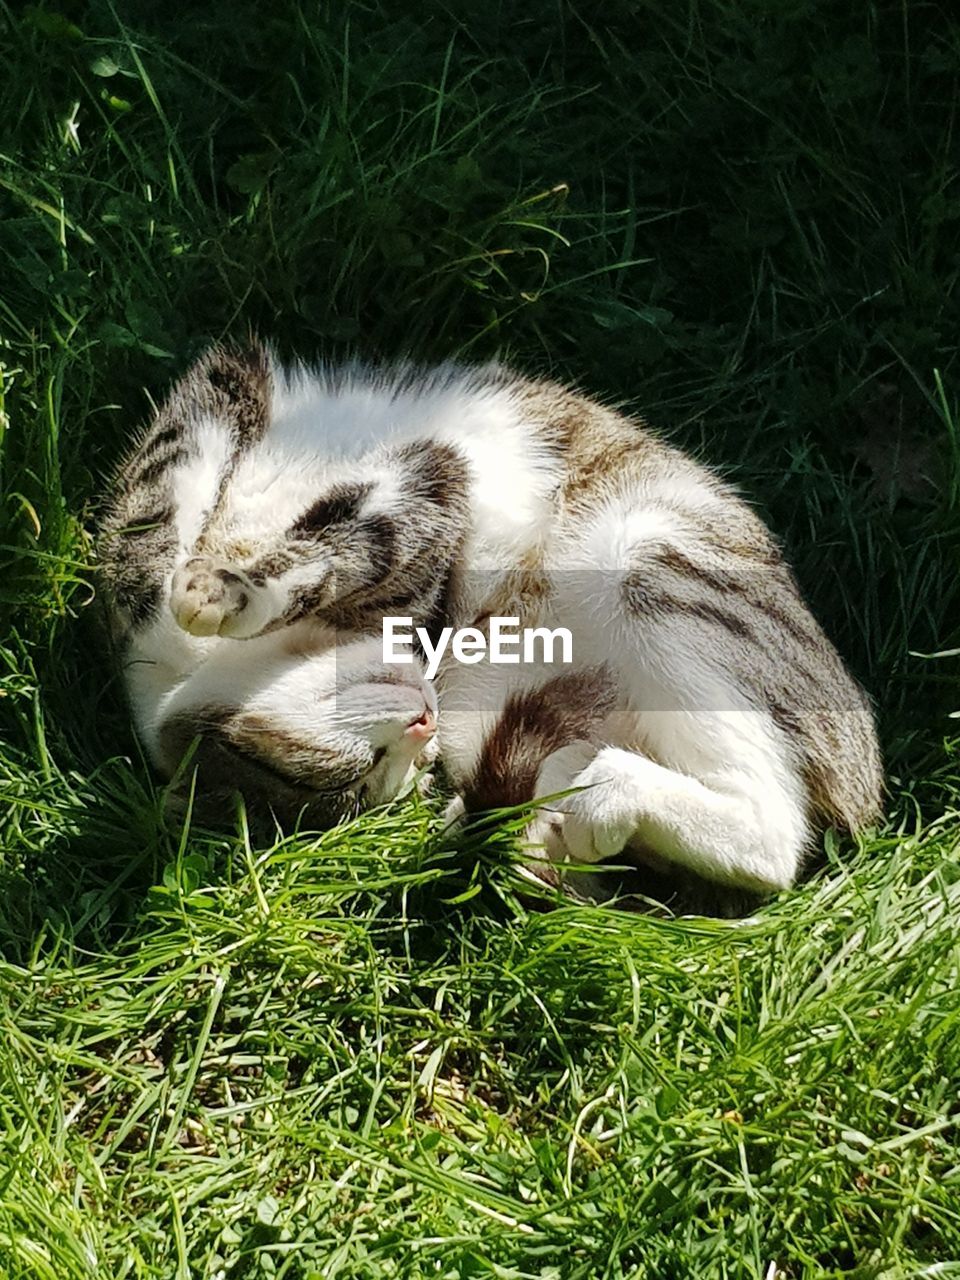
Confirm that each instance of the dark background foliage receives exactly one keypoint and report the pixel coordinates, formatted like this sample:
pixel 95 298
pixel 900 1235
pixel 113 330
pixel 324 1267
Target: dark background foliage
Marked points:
pixel 741 220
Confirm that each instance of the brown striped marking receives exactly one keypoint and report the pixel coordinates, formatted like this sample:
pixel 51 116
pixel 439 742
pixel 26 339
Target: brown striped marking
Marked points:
pixel 234 385
pixel 154 468
pixel 646 600
pixel 337 507
pixel 434 473
pixel 275 772
pixel 533 724
pixel 240 389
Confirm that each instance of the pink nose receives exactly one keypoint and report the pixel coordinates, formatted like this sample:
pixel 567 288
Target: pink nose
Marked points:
pixel 424 727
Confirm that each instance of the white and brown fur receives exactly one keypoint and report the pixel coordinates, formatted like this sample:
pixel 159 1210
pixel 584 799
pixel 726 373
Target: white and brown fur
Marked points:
pixel 706 725
pixel 301 718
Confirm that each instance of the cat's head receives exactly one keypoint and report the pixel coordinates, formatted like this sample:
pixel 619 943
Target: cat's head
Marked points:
pixel 311 734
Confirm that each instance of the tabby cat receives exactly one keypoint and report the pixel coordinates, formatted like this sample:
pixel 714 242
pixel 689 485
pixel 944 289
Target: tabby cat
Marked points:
pixel 269 518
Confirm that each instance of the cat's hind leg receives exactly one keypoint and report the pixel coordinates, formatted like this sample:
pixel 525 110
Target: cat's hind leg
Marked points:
pixel 741 831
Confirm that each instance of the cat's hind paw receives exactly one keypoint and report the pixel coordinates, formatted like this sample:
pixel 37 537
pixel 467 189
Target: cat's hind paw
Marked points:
pixel 592 822
pixel 594 837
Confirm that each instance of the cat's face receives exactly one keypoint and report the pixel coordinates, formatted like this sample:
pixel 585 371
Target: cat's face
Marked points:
pixel 318 728
pixel 378 721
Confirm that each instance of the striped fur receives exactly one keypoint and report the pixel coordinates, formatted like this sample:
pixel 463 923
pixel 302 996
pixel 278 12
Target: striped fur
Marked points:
pixel 738 735
pixel 707 727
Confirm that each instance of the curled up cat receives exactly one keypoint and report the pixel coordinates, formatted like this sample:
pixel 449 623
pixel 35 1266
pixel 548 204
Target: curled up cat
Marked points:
pixel 270 518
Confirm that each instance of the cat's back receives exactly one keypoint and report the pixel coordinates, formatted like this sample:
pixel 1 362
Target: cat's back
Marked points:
pixel 696 579
pixel 350 408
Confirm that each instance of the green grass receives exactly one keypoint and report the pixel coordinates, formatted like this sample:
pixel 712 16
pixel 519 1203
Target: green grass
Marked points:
pixel 362 1055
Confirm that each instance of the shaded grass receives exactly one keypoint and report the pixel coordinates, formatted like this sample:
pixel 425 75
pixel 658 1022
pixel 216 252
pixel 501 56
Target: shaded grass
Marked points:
pixel 362 1054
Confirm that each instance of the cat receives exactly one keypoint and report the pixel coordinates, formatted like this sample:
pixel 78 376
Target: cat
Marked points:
pixel 706 725
pixel 305 721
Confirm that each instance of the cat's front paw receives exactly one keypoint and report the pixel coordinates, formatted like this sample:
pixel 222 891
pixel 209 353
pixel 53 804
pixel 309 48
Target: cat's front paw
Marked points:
pixel 209 598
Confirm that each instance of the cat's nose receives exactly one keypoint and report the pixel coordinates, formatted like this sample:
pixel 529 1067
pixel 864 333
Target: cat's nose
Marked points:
pixel 423 728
